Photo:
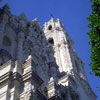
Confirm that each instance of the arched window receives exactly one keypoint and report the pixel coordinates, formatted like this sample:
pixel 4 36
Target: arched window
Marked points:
pixel 51 41
pixel 6 41
pixel 50 27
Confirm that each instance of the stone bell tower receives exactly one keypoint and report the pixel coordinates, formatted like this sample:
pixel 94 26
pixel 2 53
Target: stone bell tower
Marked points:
pixel 61 42
pixel 66 58
pixel 65 55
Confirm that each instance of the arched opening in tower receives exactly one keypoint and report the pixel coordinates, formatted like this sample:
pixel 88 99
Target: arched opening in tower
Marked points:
pixel 50 27
pixel 51 41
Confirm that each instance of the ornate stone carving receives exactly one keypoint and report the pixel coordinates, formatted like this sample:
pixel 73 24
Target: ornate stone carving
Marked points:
pixel 45 63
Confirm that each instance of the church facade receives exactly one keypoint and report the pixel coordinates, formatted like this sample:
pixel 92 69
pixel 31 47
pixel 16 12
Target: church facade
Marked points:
pixel 39 64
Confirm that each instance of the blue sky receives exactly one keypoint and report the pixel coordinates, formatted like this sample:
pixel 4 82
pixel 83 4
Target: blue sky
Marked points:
pixel 73 15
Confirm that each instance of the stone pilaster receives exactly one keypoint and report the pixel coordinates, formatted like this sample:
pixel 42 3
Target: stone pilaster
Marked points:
pixel 2 26
pixel 65 57
pixel 20 46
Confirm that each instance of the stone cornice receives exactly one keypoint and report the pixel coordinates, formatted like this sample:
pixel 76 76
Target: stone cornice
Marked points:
pixel 63 79
pixel 51 86
pixel 3 94
pixel 5 77
pixel 27 63
pixel 74 74
pixel 40 95
pixel 16 76
pixel 10 62
pixel 11 77
pixel 32 75
pixel 56 97
pixel 78 78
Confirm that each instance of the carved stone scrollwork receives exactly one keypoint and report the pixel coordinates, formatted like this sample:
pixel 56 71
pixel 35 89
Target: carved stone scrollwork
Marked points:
pixel 13 22
pixel 29 45
pixel 22 25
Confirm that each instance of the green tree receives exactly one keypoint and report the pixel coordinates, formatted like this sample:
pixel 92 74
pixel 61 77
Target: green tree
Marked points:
pixel 94 35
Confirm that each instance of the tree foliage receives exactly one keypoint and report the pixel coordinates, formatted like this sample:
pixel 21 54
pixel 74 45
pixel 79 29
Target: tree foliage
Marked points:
pixel 94 35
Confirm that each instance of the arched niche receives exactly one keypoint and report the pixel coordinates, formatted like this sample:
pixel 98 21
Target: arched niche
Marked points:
pixel 6 41
pixel 4 56
pixel 7 44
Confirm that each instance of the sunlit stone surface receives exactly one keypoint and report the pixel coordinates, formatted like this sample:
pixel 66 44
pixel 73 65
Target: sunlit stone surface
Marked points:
pixel 39 64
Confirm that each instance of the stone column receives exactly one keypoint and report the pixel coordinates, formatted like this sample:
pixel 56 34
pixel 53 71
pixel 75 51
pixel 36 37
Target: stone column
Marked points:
pixel 20 46
pixel 2 27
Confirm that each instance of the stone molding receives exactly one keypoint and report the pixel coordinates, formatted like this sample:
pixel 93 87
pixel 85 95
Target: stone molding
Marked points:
pixel 76 76
pixel 33 76
pixel 44 69
pixel 10 62
pixel 56 97
pixel 5 77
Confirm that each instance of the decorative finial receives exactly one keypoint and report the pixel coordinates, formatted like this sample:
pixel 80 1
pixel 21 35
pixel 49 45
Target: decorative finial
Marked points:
pixel 6 7
pixel 51 79
pixel 51 15
pixel 29 57
pixel 23 16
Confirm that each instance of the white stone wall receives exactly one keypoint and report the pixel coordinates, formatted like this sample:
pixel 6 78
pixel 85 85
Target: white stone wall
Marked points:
pixel 33 66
